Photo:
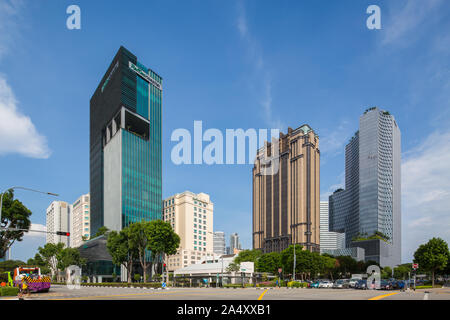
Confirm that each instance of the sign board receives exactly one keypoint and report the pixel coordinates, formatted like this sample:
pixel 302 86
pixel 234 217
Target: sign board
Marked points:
pixel 415 266
pixel 143 75
pixel 163 284
pixel 280 270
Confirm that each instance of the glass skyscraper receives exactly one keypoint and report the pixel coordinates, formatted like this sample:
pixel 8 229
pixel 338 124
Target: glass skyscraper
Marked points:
pixel 368 210
pixel 125 145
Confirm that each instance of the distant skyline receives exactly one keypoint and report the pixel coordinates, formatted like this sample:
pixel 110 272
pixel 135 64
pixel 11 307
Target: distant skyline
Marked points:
pixel 231 64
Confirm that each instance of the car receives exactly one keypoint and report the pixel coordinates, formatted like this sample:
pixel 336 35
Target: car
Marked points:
pixel 385 285
pixel 361 284
pixel 314 284
pixel 325 284
pixel 341 284
pixel 352 282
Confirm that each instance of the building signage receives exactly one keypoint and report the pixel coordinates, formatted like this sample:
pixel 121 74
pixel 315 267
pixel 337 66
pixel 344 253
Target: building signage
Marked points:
pixel 143 75
pixel 110 74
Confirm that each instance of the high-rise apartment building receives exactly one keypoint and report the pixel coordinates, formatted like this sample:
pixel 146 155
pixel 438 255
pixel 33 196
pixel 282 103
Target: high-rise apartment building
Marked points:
pixel 234 243
pixel 219 246
pixel 329 240
pixel 125 145
pixel 286 203
pixel 191 217
pixel 80 221
pixel 57 219
pixel 368 210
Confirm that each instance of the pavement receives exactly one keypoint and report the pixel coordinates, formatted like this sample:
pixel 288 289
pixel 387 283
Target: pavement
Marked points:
pixel 59 292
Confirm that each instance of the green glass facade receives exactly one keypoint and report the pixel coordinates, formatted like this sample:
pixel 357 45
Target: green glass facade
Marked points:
pixel 128 85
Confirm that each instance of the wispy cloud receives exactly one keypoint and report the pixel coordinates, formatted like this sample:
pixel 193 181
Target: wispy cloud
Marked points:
pixel 9 15
pixel 255 55
pixel 333 142
pixel 340 185
pixel 406 18
pixel 425 192
pixel 17 132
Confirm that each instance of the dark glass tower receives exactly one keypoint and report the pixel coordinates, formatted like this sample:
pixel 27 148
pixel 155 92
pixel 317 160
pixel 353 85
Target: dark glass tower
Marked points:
pixel 125 145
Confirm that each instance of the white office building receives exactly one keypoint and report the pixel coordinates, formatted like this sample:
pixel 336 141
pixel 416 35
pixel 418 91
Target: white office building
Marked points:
pixel 57 219
pixel 80 221
pixel 191 217
pixel 219 242
pixel 329 240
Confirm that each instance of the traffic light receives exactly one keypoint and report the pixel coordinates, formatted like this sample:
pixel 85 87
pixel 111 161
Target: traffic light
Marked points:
pixel 63 233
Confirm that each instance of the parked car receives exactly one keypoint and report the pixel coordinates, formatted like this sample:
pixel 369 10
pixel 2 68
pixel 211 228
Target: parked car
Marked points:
pixel 314 284
pixel 385 285
pixel 341 284
pixel 353 282
pixel 361 284
pixel 325 284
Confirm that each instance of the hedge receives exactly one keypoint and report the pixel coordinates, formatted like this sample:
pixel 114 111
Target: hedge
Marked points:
pixel 9 291
pixel 297 284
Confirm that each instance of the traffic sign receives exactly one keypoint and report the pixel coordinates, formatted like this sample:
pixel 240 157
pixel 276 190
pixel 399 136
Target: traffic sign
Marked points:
pixel 163 285
pixel 415 266
pixel 280 270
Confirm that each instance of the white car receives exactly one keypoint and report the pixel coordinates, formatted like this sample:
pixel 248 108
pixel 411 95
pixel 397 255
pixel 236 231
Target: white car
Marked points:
pixel 326 284
pixel 353 282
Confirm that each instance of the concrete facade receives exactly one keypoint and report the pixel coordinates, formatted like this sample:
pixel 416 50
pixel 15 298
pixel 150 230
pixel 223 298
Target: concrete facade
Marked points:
pixel 286 202
pixel 80 221
pixel 57 219
pixel 191 216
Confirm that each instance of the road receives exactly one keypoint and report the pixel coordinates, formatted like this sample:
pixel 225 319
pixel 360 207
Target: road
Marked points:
pixel 59 292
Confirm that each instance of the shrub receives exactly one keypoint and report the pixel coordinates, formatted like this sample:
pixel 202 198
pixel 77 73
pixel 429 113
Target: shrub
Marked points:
pixel 296 284
pixel 9 291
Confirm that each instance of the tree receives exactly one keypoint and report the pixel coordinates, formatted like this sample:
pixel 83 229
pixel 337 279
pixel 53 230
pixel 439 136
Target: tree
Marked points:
pixel 386 272
pixel 118 245
pixel 401 271
pixel 68 257
pixel 101 231
pixel 269 262
pixel 162 240
pixel 248 256
pixel 233 267
pixel 432 256
pixel 10 265
pixel 49 254
pixel 38 261
pixel 14 215
pixel 139 237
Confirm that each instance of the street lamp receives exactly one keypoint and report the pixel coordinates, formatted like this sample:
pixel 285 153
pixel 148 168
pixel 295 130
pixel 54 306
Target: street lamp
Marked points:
pixel 22 188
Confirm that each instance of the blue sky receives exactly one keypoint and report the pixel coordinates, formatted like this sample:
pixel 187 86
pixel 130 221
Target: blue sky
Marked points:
pixel 231 64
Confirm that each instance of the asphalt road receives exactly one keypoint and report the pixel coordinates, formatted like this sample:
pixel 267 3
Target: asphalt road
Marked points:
pixel 58 292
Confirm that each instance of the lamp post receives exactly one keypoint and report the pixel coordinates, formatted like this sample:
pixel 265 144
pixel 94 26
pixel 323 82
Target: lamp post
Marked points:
pixel 22 188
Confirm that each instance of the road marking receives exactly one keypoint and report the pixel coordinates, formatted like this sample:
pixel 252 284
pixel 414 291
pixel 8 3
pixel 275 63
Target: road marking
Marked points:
pixel 262 294
pixel 384 296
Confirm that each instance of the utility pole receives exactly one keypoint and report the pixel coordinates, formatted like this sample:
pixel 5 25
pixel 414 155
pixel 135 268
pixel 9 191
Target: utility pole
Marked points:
pixel 293 269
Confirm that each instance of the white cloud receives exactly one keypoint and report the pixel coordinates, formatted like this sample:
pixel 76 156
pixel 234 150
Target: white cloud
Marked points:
pixel 9 10
pixel 324 196
pixel 426 193
pixel 333 143
pixel 403 22
pixel 37 227
pixel 17 132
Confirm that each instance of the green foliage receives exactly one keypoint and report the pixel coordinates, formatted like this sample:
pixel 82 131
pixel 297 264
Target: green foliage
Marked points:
pixel 101 231
pixel 269 262
pixel 376 235
pixel 162 239
pixel 297 284
pixel 10 265
pixel 137 277
pixel 401 271
pixel 248 256
pixel 14 215
pixel 9 291
pixel 120 249
pixel 432 256
pixel 68 257
pixel 386 272
pixel 233 267
pixel 49 254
